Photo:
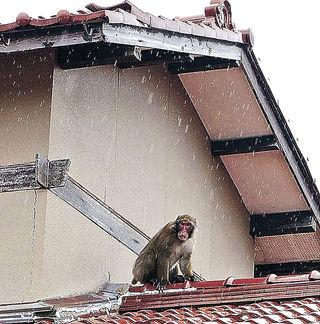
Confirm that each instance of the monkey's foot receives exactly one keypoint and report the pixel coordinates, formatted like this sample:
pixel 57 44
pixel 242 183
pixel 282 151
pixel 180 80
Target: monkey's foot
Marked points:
pixel 162 285
pixel 190 278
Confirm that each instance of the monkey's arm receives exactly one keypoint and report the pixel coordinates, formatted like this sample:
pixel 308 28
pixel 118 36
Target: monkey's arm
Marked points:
pixel 163 266
pixel 186 267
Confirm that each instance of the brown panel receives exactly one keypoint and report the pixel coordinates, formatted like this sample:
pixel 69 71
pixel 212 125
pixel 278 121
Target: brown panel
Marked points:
pixel 265 182
pixel 225 103
pixel 287 248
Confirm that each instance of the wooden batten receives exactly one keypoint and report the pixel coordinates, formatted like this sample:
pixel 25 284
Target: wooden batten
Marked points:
pixel 282 223
pixel 244 145
pixel 102 215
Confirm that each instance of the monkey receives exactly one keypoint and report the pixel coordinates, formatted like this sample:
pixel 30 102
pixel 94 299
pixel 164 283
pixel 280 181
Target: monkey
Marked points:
pixel 170 249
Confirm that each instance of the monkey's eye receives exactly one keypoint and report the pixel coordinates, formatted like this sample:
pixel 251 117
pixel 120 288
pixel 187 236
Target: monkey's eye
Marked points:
pixel 184 225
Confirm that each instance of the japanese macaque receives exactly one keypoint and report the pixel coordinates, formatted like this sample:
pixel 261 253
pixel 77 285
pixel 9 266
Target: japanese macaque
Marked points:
pixel 167 252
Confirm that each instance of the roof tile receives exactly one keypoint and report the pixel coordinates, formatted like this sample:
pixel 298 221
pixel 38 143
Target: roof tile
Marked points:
pixel 129 14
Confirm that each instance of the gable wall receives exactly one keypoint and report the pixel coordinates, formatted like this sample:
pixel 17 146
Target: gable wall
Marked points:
pixel 136 142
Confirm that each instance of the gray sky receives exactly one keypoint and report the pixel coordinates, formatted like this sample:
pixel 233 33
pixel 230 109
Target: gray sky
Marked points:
pixel 285 40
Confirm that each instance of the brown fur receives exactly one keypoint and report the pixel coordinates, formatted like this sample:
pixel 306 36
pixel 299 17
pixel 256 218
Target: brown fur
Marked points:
pixel 159 260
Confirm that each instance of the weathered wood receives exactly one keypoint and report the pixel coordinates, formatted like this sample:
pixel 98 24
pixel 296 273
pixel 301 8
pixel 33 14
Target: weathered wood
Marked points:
pixel 281 130
pixel 42 170
pixel 282 223
pixel 52 174
pixel 18 177
pixel 102 215
pixel 34 175
pixel 244 145
pixel 58 173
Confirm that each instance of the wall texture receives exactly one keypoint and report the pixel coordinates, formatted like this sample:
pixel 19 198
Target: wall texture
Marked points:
pixel 25 99
pixel 135 141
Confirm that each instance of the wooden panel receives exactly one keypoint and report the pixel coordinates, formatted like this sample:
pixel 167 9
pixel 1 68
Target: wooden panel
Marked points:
pixel 225 103
pixel 287 248
pixel 265 182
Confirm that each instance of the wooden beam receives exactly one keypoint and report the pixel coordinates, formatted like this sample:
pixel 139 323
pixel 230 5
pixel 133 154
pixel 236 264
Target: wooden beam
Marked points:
pixel 33 175
pixel 283 269
pixel 282 223
pixel 18 177
pixel 102 215
pixel 244 145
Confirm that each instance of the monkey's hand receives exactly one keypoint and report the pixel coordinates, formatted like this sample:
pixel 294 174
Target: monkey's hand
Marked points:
pixel 190 278
pixel 178 279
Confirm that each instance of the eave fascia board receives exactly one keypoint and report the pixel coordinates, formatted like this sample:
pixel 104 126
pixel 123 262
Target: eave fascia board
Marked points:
pixel 172 41
pixel 57 36
pixel 281 130
pixel 50 37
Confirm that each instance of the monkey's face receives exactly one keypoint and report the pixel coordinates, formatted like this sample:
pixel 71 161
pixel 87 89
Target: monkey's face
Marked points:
pixel 184 230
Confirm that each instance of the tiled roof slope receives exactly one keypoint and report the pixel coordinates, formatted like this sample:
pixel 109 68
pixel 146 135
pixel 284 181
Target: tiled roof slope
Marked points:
pixel 272 299
pixel 299 311
pixel 215 23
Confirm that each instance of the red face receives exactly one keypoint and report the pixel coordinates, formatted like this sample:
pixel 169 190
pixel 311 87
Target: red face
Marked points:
pixel 184 230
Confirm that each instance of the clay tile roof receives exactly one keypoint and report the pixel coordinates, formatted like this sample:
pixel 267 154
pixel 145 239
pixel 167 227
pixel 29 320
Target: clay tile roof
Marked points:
pixel 272 299
pixel 216 22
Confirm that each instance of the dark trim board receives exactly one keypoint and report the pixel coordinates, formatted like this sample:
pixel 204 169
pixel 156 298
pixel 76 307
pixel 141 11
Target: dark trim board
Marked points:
pixel 282 223
pixel 199 64
pixel 284 269
pixel 244 145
